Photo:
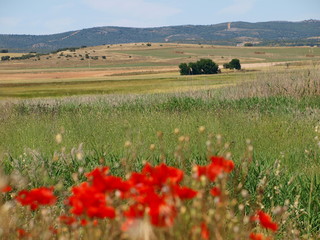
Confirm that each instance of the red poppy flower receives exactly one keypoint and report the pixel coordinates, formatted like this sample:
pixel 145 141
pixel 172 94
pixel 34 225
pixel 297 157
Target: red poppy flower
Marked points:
pixel 204 231
pixel 53 230
pixel 88 200
pixel 214 171
pixel 83 222
pixel 217 166
pixel 266 221
pixel 6 189
pixel 215 191
pixel 102 182
pixel 161 213
pixel 135 211
pixel 200 171
pixel 154 191
pixel 162 174
pixel 184 192
pixel 36 197
pixel 22 233
pixel 67 220
pixel 227 165
pixel 256 236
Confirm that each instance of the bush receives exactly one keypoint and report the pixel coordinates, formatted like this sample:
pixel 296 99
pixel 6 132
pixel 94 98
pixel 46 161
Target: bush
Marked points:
pixel 226 65
pixel 184 69
pixel 203 66
pixel 233 64
pixel 4 51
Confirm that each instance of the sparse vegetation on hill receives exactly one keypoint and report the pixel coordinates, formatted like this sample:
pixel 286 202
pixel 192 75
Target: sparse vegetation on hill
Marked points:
pixel 275 33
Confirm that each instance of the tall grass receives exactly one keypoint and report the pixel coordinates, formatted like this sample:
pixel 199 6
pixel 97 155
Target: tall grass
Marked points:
pixel 297 84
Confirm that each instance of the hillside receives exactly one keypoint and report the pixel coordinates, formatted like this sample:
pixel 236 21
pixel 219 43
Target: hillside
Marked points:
pixel 263 33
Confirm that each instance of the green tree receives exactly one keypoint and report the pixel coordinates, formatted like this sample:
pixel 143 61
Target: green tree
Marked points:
pixel 235 64
pixel 194 68
pixel 207 66
pixel 184 69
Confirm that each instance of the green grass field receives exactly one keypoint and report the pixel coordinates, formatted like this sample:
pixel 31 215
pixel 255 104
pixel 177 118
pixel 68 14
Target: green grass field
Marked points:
pixel 114 120
pixel 148 83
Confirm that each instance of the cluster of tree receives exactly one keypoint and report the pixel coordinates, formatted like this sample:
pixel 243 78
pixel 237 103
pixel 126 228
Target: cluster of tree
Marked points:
pixel 233 64
pixel 23 57
pixel 5 58
pixel 4 51
pixel 71 49
pixel 203 66
pixel 27 56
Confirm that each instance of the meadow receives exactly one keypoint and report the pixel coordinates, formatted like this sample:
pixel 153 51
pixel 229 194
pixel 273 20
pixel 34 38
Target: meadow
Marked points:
pixel 266 119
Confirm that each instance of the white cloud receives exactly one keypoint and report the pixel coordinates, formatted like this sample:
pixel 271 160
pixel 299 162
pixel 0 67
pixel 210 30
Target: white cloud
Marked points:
pixel 142 10
pixel 238 7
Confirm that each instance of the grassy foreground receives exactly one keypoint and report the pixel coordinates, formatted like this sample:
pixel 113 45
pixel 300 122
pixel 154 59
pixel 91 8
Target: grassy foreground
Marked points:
pixel 53 142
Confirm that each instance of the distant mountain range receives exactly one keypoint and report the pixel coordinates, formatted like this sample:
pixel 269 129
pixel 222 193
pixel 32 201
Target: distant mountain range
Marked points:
pixel 263 33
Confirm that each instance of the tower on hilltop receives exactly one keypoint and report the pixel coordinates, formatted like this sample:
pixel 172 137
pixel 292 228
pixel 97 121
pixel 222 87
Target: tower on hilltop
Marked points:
pixel 229 25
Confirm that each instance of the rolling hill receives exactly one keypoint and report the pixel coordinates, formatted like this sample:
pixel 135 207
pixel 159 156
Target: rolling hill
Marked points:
pixel 263 33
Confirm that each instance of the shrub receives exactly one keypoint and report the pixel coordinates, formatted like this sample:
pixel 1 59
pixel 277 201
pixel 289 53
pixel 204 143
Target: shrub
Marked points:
pixel 184 69
pixel 226 65
pixel 233 64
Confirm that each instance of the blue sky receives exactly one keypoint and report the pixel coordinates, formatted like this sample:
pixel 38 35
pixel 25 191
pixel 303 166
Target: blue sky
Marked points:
pixel 54 16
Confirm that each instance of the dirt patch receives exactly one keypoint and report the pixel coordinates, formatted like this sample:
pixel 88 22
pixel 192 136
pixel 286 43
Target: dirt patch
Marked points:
pixel 51 76
pixel 259 65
